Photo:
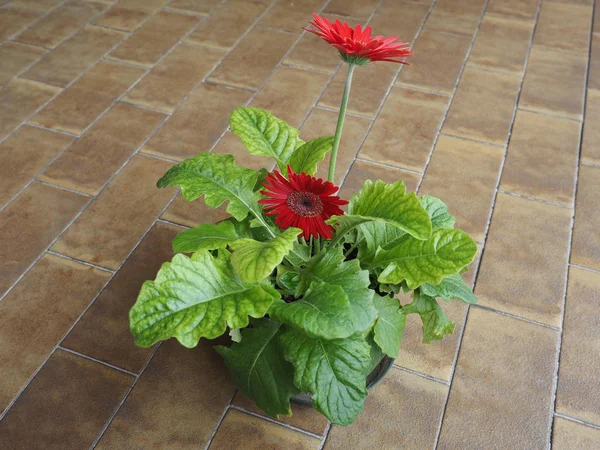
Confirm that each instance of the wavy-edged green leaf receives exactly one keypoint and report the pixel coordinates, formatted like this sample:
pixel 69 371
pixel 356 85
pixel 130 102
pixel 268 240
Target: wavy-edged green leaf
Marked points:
pixel 259 369
pixel 436 324
pixel 438 211
pixel 196 297
pixel 254 260
pixel 306 157
pixel 334 372
pixel 453 286
pixel 324 312
pixel 218 179
pixel 445 253
pixel 264 134
pixel 205 237
pixel 390 324
pixel 329 266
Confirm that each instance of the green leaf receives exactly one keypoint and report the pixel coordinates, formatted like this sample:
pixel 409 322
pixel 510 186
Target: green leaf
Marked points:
pixel 264 134
pixel 196 297
pixel 438 211
pixel 436 324
pixel 330 267
pixel 258 367
pixel 333 371
pixel 453 286
pixel 205 237
pixel 429 261
pixel 306 157
pixel 254 260
pixel 218 179
pixel 390 324
pixel 323 312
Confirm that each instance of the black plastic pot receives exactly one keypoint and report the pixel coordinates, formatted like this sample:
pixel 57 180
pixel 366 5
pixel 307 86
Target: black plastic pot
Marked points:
pixel 305 398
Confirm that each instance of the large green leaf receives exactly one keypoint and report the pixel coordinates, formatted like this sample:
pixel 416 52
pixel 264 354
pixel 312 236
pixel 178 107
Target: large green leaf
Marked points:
pixel 254 260
pixel 334 371
pixel 438 211
pixel 445 253
pixel 205 237
pixel 390 324
pixel 264 134
pixel 329 266
pixel 453 286
pixel 196 297
pixel 324 312
pixel 307 156
pixel 436 324
pixel 218 179
pixel 258 367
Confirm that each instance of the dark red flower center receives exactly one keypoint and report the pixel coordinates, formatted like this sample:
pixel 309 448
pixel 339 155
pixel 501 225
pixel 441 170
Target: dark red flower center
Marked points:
pixel 304 203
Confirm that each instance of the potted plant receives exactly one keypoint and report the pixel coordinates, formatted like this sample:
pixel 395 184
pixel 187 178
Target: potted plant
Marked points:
pixel 305 290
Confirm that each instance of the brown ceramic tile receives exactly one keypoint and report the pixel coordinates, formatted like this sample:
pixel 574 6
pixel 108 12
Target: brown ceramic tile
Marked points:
pixel 501 44
pixel 594 69
pixel 82 102
pixel 395 18
pixel 15 58
pixel 19 99
pixel 405 129
pixel 464 175
pixel 129 14
pixel 198 123
pixel 304 417
pixel 30 223
pixel 513 9
pixel 523 267
pixel 192 214
pixel 521 385
pixel 437 62
pixel 258 434
pixel 109 229
pixel 586 240
pixel 69 59
pixel 231 144
pixel 291 15
pixel 578 387
pixel 558 20
pixel 227 23
pixel 590 146
pixel 150 42
pixel 569 435
pixel 362 171
pixel 542 158
pixel 291 93
pixel 24 154
pixel 103 332
pixel 14 20
pixel 62 290
pixel 90 162
pixel 61 23
pixel 404 409
pixel 41 6
pixel 313 53
pixel 321 122
pixel 194 6
pixel 356 8
pixel 174 77
pixel 455 16
pixel 156 415
pixel 242 68
pixel 66 405
pixel 550 91
pixel 483 106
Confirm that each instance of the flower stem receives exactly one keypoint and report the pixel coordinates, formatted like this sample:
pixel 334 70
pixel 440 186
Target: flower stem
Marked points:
pixel 340 123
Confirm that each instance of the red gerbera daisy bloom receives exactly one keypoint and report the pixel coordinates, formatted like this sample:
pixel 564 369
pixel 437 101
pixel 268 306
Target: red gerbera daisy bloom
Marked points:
pixel 301 201
pixel 356 45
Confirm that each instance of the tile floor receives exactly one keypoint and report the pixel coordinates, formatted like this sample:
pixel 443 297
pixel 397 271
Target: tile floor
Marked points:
pixel 499 115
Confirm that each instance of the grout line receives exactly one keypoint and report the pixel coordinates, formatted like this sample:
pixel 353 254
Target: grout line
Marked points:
pixel 104 363
pixel 241 88
pixel 325 436
pixel 162 158
pixel 41 127
pixel 556 116
pixel 327 108
pixel 421 374
pixel 135 105
pixel 576 420
pixel 409 87
pixel 62 188
pixel 307 69
pixel 79 261
pixel 391 166
pixel 577 266
pixel 567 271
pixel 168 222
pixel 463 138
pixel 279 30
pixel 214 431
pixel 583 163
pixel 514 316
pixel 534 199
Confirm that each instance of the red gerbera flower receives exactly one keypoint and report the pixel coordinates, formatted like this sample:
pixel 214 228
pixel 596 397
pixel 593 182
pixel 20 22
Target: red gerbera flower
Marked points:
pixel 301 201
pixel 356 45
